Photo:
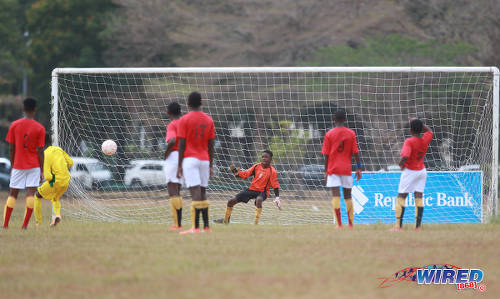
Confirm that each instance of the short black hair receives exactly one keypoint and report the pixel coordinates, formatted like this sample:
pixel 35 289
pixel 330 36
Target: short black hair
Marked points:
pixel 416 126
pixel 174 108
pixel 268 152
pixel 340 115
pixel 194 99
pixel 29 104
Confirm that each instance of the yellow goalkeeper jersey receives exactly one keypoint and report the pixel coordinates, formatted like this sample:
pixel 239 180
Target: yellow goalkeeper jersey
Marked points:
pixel 56 165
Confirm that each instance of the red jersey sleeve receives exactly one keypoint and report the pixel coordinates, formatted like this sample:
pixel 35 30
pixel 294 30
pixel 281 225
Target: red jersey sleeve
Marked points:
pixel 181 128
pixel 212 131
pixel 406 150
pixel 171 131
pixel 10 136
pixel 355 148
pixel 326 145
pixel 427 137
pixel 274 179
pixel 41 138
pixel 246 173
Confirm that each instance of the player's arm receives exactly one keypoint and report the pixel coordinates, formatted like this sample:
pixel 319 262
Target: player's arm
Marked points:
pixel 40 160
pixel 68 159
pixel 276 187
pixel 12 154
pixel 405 154
pixel 326 167
pixel 170 146
pixel 246 173
pixel 359 166
pixel 211 145
pixel 182 148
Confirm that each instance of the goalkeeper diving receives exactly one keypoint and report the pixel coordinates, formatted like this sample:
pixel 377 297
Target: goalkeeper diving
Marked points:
pixel 56 172
pixel 264 177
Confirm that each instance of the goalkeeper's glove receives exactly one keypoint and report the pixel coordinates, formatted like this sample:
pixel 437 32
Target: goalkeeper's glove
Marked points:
pixel 277 202
pixel 234 169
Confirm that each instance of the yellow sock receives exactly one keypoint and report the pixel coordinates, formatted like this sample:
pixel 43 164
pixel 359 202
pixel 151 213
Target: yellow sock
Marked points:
pixel 258 212
pixel 11 202
pixel 400 210
pixel 229 210
pixel 202 204
pixel 56 206
pixel 350 210
pixel 193 213
pixel 336 206
pixel 37 210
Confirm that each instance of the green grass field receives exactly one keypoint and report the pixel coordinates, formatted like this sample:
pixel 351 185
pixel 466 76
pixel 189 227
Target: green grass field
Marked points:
pixel 111 260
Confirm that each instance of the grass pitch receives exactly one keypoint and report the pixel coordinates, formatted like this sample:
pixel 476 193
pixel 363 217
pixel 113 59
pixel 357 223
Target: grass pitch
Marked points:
pixel 112 260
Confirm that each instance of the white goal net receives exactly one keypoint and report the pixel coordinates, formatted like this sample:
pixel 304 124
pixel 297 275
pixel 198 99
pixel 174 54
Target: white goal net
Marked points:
pixel 286 110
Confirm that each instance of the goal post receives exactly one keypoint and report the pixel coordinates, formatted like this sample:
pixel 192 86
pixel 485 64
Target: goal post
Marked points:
pixel 287 110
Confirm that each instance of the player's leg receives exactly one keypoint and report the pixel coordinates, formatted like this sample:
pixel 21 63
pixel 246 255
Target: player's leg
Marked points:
pixel 400 210
pixel 419 197
pixel 333 182
pixel 406 185
pixel 37 207
pixel 346 181
pixel 204 178
pixel 9 205
pixel 32 183
pixel 56 203
pixel 174 186
pixel 191 172
pixel 243 196
pixel 258 208
pixel 175 204
pixel 349 206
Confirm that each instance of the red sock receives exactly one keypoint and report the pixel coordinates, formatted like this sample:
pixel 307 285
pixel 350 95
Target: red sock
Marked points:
pixel 339 219
pixel 27 217
pixel 8 212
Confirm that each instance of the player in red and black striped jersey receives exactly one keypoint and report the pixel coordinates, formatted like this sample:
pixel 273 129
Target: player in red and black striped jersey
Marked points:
pixel 264 177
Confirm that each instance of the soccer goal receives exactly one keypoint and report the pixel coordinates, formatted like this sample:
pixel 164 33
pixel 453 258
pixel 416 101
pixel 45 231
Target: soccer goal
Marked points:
pixel 287 110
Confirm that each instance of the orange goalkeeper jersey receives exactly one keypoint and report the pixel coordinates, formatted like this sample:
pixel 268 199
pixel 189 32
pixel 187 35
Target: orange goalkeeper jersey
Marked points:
pixel 263 179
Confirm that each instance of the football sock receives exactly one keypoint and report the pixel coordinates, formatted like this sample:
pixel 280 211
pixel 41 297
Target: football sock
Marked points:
pixel 336 209
pixel 350 210
pixel 258 212
pixel 400 211
pixel 419 211
pixel 7 211
pixel 229 210
pixel 193 213
pixel 197 218
pixel 30 203
pixel 203 207
pixel 176 208
pixel 56 207
pixel 37 209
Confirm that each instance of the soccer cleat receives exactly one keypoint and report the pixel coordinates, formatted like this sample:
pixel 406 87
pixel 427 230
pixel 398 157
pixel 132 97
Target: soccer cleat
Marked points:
pixel 190 231
pixel 207 230
pixel 175 228
pixel 395 229
pixel 220 220
pixel 338 227
pixel 55 222
pixel 350 226
pixel 418 228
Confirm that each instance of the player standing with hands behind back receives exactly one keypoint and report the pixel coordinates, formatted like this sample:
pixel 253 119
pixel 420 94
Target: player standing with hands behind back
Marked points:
pixel 196 133
pixel 27 139
pixel 414 173
pixel 339 146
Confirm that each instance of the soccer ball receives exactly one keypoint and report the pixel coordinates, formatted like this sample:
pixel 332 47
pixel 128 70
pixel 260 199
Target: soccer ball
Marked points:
pixel 109 147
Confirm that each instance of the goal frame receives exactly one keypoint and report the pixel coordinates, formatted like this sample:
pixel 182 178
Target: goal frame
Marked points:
pixel 494 70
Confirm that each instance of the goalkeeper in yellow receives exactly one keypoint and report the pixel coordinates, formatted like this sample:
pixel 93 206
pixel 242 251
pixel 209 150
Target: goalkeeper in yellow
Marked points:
pixel 56 172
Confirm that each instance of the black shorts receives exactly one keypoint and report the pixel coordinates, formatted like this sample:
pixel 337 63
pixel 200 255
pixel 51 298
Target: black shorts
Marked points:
pixel 245 196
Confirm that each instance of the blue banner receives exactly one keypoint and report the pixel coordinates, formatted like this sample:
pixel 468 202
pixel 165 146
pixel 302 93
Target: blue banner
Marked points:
pixel 449 197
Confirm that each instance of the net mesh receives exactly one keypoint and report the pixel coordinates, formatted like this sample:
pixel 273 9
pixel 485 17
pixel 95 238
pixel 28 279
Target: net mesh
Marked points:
pixel 287 112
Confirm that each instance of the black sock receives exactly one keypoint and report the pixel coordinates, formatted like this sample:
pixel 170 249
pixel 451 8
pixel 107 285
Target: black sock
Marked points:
pixel 197 218
pixel 179 217
pixel 205 217
pixel 420 213
pixel 401 218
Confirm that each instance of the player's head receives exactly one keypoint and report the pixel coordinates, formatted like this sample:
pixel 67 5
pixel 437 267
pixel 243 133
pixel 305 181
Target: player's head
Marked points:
pixel 416 126
pixel 267 157
pixel 339 117
pixel 29 105
pixel 174 109
pixel 194 100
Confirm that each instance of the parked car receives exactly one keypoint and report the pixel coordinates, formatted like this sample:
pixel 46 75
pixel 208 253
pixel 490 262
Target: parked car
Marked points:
pixel 90 172
pixel 145 173
pixel 390 168
pixel 471 167
pixel 4 173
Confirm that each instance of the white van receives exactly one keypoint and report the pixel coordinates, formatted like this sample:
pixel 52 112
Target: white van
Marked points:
pixel 90 172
